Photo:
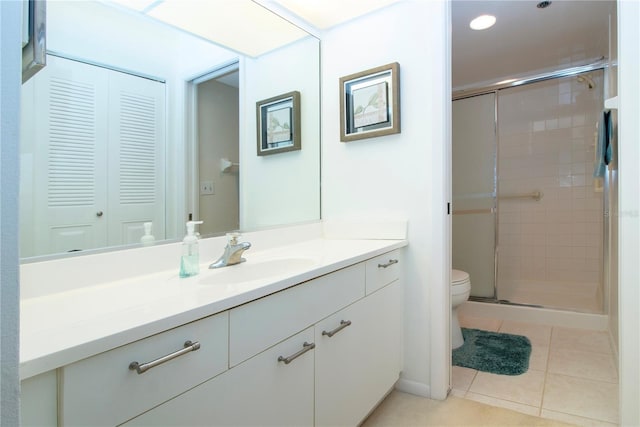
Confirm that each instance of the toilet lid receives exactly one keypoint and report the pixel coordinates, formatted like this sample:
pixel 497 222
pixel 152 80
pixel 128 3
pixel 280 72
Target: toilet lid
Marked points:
pixel 459 277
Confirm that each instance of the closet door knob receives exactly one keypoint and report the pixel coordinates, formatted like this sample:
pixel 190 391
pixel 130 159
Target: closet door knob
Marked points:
pixel 99 213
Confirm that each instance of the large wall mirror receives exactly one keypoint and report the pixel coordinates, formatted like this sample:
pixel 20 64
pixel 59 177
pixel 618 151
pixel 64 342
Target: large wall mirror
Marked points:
pixel 148 115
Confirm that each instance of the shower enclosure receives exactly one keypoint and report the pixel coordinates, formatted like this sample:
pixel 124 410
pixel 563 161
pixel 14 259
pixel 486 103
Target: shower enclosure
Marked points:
pixel 528 215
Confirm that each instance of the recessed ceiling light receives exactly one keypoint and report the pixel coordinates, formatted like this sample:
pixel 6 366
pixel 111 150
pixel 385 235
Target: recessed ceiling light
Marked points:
pixel 482 22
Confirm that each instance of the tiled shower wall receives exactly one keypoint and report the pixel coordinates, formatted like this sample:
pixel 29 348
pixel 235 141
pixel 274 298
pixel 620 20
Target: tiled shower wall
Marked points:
pixel 546 142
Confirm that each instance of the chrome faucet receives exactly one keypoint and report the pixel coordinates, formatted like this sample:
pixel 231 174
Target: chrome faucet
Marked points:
pixel 232 252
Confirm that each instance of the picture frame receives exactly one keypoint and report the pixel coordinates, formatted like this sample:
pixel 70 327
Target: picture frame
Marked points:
pixel 370 103
pixel 34 43
pixel 278 124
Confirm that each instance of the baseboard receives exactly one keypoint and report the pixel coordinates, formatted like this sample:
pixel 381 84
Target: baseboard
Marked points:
pixel 413 387
pixel 542 316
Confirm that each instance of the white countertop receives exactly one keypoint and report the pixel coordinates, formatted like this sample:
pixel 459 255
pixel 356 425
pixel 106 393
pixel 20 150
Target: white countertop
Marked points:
pixel 62 328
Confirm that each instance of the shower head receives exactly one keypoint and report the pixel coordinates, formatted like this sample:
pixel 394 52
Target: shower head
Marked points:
pixel 585 78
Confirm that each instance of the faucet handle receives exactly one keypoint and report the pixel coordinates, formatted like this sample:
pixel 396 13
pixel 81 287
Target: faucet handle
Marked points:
pixel 232 238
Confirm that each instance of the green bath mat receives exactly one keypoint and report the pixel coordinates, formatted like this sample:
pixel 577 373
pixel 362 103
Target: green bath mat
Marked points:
pixel 494 352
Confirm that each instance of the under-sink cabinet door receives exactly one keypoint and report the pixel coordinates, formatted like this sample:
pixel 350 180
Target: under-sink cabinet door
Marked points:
pixel 357 357
pixel 39 400
pixel 265 390
pixel 107 389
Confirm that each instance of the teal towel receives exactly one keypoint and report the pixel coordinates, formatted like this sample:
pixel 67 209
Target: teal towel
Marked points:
pixel 603 144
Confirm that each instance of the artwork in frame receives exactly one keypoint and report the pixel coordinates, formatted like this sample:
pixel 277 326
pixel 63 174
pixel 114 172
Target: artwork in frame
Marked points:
pixel 278 124
pixel 370 103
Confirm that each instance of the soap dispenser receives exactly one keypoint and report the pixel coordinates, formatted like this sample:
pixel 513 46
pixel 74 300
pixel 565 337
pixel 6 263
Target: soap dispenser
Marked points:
pixel 147 239
pixel 190 260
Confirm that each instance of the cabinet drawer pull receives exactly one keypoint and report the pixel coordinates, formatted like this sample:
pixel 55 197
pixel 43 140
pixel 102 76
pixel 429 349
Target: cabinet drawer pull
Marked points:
pixel 343 324
pixel 144 367
pixel 305 347
pixel 389 264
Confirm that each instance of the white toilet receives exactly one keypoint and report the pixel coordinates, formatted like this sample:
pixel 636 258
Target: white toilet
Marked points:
pixel 460 290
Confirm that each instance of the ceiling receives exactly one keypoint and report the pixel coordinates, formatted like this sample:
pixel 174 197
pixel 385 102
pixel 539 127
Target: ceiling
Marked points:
pixel 526 39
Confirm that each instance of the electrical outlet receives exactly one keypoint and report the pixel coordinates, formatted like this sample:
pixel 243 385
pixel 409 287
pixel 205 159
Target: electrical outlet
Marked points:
pixel 206 188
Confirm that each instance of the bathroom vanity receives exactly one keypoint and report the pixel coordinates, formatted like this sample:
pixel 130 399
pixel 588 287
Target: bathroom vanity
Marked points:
pixel 301 334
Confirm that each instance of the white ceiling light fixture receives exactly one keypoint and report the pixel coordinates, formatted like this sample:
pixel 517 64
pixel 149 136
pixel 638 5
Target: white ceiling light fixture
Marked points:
pixel 482 22
pixel 324 14
pixel 202 18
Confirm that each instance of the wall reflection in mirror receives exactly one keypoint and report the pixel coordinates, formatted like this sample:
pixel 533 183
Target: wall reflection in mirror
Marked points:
pixel 135 120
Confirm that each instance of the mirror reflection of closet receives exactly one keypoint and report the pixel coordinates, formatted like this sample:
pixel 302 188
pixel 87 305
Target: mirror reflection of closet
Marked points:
pixel 217 132
pixel 102 37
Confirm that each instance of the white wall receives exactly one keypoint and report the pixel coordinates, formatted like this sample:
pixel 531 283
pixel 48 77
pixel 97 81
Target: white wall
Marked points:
pixel 629 208
pixel 285 187
pixel 10 13
pixel 402 175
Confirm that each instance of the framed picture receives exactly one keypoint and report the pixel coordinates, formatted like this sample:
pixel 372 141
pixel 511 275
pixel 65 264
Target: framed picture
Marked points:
pixel 370 103
pixel 278 123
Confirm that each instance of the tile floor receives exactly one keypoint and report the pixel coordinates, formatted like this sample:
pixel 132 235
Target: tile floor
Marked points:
pixel 572 375
pixel 407 410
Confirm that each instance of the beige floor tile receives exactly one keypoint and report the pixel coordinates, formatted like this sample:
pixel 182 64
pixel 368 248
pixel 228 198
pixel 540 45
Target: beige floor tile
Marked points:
pixel 583 364
pixel 539 357
pixel 461 377
pixel 406 410
pixel 596 400
pixel 526 388
pixel 480 323
pixel 500 403
pixel 581 339
pixel 573 419
pixel 537 334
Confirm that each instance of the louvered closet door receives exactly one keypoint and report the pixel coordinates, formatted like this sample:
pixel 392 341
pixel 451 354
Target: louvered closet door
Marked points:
pixel 136 158
pixel 70 157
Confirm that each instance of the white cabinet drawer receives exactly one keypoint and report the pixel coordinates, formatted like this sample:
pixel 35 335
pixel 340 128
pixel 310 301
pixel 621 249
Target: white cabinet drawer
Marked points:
pixel 103 390
pixel 261 391
pixel 260 324
pixel 383 270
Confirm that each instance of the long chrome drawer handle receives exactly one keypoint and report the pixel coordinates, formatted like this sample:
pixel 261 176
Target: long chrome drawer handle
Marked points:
pixel 389 264
pixel 305 347
pixel 144 367
pixel 343 324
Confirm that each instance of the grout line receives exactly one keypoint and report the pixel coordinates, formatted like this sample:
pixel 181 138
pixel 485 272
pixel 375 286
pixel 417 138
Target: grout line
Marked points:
pixel 546 370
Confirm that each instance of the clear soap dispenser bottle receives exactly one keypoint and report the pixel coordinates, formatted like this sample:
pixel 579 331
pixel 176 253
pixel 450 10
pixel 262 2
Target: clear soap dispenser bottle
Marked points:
pixel 147 239
pixel 190 260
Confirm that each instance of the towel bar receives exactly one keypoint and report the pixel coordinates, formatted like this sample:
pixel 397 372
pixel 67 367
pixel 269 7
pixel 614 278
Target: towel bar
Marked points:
pixel 473 211
pixel 536 195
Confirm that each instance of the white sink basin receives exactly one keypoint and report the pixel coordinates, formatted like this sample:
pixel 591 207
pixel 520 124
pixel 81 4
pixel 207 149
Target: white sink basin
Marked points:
pixel 249 270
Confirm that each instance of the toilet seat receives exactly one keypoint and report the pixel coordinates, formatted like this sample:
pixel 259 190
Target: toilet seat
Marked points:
pixel 460 283
pixel 459 277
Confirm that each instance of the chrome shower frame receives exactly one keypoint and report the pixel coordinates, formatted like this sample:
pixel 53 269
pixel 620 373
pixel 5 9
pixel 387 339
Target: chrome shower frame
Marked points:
pixel 600 64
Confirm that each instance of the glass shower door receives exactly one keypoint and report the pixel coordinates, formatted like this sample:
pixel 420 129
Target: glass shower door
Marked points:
pixel 474 189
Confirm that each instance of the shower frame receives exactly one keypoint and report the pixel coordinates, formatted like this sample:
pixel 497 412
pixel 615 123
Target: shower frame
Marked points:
pixel 601 64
